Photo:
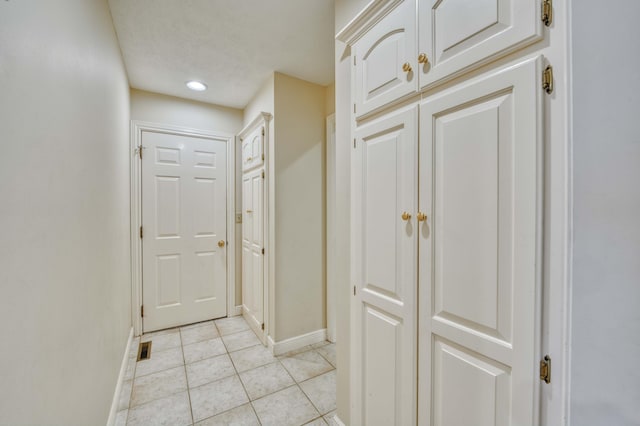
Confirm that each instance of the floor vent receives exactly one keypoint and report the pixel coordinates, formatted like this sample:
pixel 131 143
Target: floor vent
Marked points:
pixel 144 351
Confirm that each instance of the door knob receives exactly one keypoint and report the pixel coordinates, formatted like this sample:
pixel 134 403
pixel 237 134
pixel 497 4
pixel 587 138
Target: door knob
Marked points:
pixel 221 243
pixel 406 67
pixel 249 211
pixel 406 216
pixel 423 58
pixel 421 217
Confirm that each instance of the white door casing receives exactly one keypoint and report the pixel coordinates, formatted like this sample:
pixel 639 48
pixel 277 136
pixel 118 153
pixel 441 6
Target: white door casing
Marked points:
pixel 479 250
pixel 184 217
pixel 384 271
pixel 463 34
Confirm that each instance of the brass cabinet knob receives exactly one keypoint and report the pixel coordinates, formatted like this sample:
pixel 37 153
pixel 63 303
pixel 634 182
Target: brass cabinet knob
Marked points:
pixel 406 67
pixel 249 159
pixel 249 211
pixel 406 216
pixel 421 217
pixel 221 243
pixel 423 58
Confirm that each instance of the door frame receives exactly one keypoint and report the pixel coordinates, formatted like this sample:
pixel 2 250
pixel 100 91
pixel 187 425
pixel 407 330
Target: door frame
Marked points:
pixel 137 127
pixel 331 272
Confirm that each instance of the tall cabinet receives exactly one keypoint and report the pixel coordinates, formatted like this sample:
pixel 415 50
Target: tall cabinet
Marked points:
pixel 446 186
pixel 254 147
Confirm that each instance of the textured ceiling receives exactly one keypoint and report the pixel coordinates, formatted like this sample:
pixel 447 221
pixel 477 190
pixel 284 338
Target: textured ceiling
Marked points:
pixel 231 45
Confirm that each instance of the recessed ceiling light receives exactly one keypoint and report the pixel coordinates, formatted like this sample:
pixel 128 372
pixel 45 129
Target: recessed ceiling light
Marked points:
pixel 196 85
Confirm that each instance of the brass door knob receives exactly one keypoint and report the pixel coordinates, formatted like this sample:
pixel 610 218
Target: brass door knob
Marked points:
pixel 221 243
pixel 423 58
pixel 421 217
pixel 406 67
pixel 249 211
pixel 406 216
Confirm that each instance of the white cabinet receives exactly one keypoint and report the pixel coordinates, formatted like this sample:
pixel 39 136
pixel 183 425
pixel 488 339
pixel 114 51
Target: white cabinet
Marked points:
pixel 419 44
pixel 459 35
pixel 446 215
pixel 254 141
pixel 253 149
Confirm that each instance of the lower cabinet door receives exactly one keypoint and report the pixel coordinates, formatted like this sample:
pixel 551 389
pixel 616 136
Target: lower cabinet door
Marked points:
pixel 384 271
pixel 479 265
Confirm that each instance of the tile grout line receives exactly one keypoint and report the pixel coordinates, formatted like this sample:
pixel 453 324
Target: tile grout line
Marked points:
pixel 186 377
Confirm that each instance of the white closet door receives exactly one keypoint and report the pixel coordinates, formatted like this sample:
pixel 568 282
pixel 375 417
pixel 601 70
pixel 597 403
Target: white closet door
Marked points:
pixel 380 56
pixel 252 149
pixel 384 185
pixel 252 245
pixel 184 186
pixel 480 185
pixel 457 35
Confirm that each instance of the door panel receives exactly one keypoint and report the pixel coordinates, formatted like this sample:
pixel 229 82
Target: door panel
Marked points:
pixel 380 55
pixel 252 245
pixel 480 185
pixel 458 35
pixel 384 266
pixel 183 217
pixel 252 149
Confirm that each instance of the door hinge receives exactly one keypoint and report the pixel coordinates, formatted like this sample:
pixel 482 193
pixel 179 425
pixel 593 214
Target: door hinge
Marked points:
pixel 142 311
pixel 263 131
pixel 354 290
pixel 547 79
pixel 262 157
pixel 139 151
pixel 141 232
pixel 354 108
pixel 263 251
pixel 547 12
pixel 263 326
pixel 545 369
pixel 263 174
pixel 354 60
pixel 354 143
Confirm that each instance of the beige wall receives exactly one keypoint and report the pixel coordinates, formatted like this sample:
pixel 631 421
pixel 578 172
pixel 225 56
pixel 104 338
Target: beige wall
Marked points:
pixel 346 10
pixel 156 108
pixel 299 207
pixel 65 311
pixel 163 109
pixel 330 99
pixel 262 101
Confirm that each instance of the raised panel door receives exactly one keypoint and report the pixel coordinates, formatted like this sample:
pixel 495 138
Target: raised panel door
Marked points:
pixel 384 254
pixel 480 186
pixel 380 55
pixel 184 218
pixel 459 35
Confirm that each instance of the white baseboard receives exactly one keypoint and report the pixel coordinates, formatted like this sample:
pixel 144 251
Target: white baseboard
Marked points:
pixel 123 370
pixel 236 311
pixel 338 421
pixel 288 345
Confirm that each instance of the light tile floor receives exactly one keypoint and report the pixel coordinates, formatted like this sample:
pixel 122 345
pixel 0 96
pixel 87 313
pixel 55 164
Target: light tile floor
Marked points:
pixel 218 373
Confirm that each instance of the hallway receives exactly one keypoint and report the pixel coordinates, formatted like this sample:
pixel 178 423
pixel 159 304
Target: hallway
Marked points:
pixel 218 373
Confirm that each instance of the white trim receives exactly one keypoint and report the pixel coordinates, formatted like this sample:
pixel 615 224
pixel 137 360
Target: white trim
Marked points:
pixel 123 370
pixel 331 272
pixel 137 127
pixel 297 342
pixel 236 311
pixel 367 18
pixel 337 420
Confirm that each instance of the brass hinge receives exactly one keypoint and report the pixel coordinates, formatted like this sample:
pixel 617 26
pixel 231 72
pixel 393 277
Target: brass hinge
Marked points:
pixel 141 232
pixel 354 108
pixel 263 131
pixel 545 369
pixel 262 326
pixel 547 79
pixel 263 174
pixel 354 143
pixel 354 290
pixel 262 157
pixel 142 311
pixel 547 12
pixel 354 60
pixel 263 251
pixel 140 148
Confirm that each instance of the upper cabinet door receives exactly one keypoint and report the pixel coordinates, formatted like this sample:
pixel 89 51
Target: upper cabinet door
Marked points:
pixel 459 35
pixel 385 60
pixel 252 153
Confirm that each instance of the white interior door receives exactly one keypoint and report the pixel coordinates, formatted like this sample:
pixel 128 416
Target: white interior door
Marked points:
pixel 252 246
pixel 457 35
pixel 480 185
pixel 184 267
pixel 384 255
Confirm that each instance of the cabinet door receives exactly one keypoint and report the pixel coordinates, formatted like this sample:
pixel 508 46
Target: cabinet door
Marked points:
pixel 458 35
pixel 380 56
pixel 384 185
pixel 252 150
pixel 479 267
